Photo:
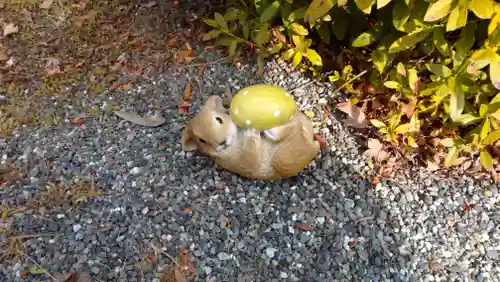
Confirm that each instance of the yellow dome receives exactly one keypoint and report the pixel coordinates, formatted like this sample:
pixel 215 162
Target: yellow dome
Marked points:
pixel 262 106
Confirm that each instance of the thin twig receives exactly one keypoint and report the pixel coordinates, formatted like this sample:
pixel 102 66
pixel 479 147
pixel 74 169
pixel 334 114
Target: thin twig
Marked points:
pixel 39 266
pixel 204 64
pixel 350 80
pixel 26 236
pixel 165 253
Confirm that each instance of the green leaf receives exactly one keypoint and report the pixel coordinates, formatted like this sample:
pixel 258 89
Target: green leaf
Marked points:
pixel 297 58
pixel 314 57
pixel 342 3
pixel 495 74
pixel 484 54
pixel 380 60
pixel 270 11
pixel 211 34
pixel 232 48
pixel 400 14
pixel 392 85
pixel 439 70
pixel 276 48
pixel 458 16
pixel 486 159
pixel 467 119
pixel 463 45
pixel 263 35
pixel 225 41
pixel 324 32
pixel 299 29
pixel 495 99
pixel 408 41
pixel 483 9
pixel 297 14
pixel 485 128
pixel 211 23
pixel 37 270
pixel 246 30
pixel 438 10
pixel 340 24
pixel 221 22
pixel 231 14
pixel 440 42
pixel 483 109
pixel 260 63
pixel 365 5
pixel 382 3
pixel 288 54
pixel 427 46
pixel 365 39
pixel 457 100
pixel 403 128
pixel 377 123
pixel 401 70
pixel 491 138
pixel 317 9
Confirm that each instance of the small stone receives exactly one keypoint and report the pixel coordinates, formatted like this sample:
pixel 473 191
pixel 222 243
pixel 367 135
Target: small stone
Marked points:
pixel 270 252
pixel 224 256
pixel 77 227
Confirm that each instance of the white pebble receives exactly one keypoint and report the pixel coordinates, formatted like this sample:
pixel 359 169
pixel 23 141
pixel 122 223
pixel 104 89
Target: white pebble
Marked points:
pixel 283 275
pixel 77 227
pixel 270 252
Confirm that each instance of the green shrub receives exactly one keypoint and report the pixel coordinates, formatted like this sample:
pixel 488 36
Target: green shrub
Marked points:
pixel 433 68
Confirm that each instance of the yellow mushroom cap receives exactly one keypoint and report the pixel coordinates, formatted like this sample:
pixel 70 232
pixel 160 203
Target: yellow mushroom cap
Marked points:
pixel 262 106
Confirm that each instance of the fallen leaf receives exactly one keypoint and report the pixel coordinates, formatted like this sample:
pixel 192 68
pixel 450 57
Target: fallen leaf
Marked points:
pixel 79 277
pixel 46 4
pixel 123 86
pixel 183 107
pixel 278 35
pixel 376 150
pixel 11 62
pixel 409 108
pixel 187 210
pixel 304 227
pixel 10 28
pixel 2 3
pixel 356 117
pixel 77 120
pixel 375 180
pixel 52 66
pixel 151 121
pixel 80 5
pixel 187 92
pixel 3 56
pixel 432 166
pixel 386 170
pixel 201 68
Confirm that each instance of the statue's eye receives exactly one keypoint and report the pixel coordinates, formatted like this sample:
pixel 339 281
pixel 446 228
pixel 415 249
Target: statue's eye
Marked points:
pixel 203 141
pixel 219 120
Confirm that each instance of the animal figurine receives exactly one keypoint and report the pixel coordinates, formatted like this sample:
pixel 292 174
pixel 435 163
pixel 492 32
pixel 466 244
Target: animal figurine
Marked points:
pixel 283 152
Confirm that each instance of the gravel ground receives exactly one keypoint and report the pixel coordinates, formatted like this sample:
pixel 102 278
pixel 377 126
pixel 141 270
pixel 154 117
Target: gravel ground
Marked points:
pixel 412 229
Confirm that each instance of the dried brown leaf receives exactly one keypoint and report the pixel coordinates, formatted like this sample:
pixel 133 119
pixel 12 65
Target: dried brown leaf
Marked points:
pixel 10 28
pixel 376 150
pixel 3 56
pixel 187 92
pixel 46 4
pixel 151 121
pixel 2 3
pixel 356 117
pixel 304 227
pixel 279 35
pixel 79 277
pixel 52 66
pixel 432 166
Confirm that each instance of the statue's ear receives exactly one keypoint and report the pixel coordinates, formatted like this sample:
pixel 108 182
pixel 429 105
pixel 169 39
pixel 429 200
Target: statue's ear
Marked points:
pixel 216 103
pixel 188 141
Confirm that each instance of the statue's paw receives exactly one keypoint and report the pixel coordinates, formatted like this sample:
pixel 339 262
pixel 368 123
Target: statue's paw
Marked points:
pixel 271 134
pixel 252 133
pixel 321 140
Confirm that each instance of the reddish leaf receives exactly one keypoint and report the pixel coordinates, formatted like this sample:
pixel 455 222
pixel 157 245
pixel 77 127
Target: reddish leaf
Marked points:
pixel 356 116
pixel 52 67
pixel 77 121
pixel 304 227
pixel 376 150
pixel 187 210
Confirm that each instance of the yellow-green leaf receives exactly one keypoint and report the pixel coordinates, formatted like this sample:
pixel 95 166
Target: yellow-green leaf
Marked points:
pixel 457 102
pixel 495 21
pixel 219 19
pixel 467 119
pixel 232 48
pixel 263 35
pixel 486 159
pixel 483 109
pixel 413 79
pixel 440 42
pixel 314 57
pixel 364 39
pixel 495 73
pixel 299 29
pixel 270 11
pixel 438 10
pixel 246 30
pixel 458 16
pixel 342 3
pixel 211 34
pixel 408 41
pixel 402 129
pixel 380 59
pixel 400 14
pixel 451 157
pixel 483 9
pixel 392 84
pixel 297 58
pixel 317 9
pixel 365 5
pixel 288 54
pixel 439 70
pixel 484 54
pixel 276 48
pixel 485 128
pixel 377 123
pixel 463 45
pixel 211 23
pixel 492 137
pixel 400 68
pixel 382 3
